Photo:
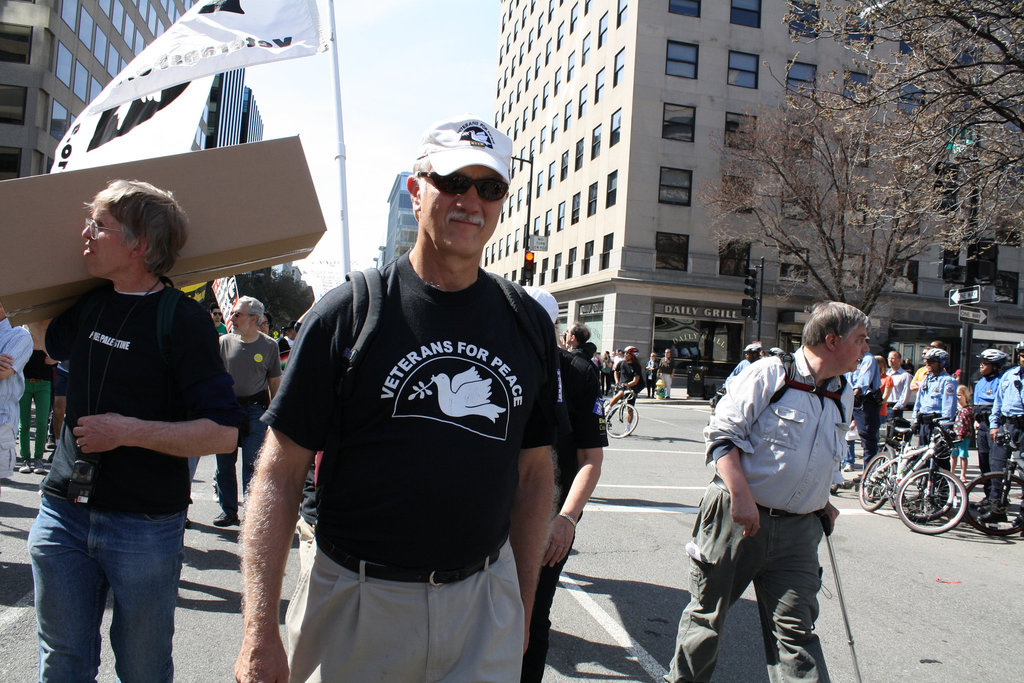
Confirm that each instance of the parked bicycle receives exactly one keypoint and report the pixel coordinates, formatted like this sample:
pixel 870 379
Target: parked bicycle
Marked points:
pixel 622 418
pixel 994 500
pixel 883 474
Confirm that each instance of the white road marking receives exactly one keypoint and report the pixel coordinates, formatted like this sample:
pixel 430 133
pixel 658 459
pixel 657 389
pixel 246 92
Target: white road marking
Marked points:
pixel 646 486
pixel 650 450
pixel 659 509
pixel 22 609
pixel 612 627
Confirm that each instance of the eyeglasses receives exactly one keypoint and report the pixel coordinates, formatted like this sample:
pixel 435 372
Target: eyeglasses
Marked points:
pixel 489 189
pixel 94 228
pixel 218 314
pixel 235 314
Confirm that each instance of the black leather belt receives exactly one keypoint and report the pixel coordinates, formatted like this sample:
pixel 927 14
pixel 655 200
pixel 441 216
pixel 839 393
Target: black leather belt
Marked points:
pixel 778 512
pixel 1015 420
pixel 380 571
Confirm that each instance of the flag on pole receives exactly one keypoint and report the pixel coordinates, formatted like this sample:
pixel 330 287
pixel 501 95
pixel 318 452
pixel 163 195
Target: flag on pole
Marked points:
pixel 213 36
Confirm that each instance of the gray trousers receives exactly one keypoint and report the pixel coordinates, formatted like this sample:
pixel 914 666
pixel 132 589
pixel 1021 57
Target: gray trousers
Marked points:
pixel 781 559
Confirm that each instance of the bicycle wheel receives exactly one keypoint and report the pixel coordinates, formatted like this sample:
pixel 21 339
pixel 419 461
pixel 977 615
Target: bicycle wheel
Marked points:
pixel 877 482
pixel 615 422
pixel 1006 515
pixel 931 502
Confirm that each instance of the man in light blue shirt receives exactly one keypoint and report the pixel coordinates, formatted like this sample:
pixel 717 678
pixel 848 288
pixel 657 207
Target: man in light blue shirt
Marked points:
pixel 15 349
pixel 867 404
pixel 936 397
pixel 751 354
pixel 900 385
pixel 775 439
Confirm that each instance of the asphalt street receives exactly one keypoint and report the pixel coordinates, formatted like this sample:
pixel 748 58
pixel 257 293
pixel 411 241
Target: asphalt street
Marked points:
pixel 921 608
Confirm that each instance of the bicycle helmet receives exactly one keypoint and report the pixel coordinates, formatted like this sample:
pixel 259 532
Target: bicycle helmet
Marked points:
pixel 1020 347
pixel 632 349
pixel 776 351
pixel 935 354
pixel 755 347
pixel 994 356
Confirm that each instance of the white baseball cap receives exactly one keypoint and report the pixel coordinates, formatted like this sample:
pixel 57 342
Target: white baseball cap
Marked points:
pixel 545 299
pixel 464 141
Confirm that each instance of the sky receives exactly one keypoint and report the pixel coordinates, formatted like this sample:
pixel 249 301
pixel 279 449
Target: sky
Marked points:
pixel 404 64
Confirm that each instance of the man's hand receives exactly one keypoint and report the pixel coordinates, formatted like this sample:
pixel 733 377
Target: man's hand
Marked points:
pixel 101 433
pixel 559 541
pixel 6 365
pixel 745 513
pixel 994 433
pixel 828 515
pixel 261 660
pixel 744 509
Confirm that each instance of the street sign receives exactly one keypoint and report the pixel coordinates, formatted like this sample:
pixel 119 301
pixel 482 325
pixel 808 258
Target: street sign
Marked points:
pixel 965 295
pixel 972 314
pixel 539 242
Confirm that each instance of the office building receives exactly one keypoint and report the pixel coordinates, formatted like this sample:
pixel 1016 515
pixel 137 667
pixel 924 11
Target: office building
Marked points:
pixel 402 225
pixel 625 108
pixel 232 115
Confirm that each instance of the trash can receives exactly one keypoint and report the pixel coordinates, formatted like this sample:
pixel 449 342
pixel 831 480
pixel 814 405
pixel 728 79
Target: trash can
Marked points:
pixel 695 382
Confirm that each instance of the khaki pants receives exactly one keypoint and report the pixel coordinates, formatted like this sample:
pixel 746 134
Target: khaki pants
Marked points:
pixel 346 627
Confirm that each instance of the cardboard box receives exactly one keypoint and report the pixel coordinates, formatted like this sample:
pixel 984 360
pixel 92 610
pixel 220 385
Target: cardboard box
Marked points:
pixel 250 206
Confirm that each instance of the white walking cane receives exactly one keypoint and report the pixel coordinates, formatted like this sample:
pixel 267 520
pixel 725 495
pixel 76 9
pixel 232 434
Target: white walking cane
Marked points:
pixel 842 604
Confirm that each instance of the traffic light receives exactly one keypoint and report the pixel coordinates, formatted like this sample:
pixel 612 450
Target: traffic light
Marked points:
pixel 952 271
pixel 982 262
pixel 948 185
pixel 749 307
pixel 750 283
pixel 529 262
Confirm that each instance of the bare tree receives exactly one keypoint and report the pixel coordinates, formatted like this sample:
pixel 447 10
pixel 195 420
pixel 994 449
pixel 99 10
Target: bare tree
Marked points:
pixel 808 182
pixel 947 77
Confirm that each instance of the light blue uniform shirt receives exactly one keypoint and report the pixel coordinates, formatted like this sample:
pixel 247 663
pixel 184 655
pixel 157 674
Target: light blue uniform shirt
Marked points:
pixel 866 377
pixel 937 395
pixel 1008 401
pixel 985 390
pixel 15 342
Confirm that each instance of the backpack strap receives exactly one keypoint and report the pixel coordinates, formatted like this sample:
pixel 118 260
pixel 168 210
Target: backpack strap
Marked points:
pixel 367 307
pixel 791 382
pixel 526 310
pixel 165 320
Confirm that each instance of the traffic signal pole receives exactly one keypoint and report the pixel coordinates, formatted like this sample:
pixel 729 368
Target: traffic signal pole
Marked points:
pixel 525 278
pixel 760 300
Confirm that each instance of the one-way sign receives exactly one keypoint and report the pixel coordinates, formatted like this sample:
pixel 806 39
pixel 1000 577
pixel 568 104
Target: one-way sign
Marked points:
pixel 972 314
pixel 965 295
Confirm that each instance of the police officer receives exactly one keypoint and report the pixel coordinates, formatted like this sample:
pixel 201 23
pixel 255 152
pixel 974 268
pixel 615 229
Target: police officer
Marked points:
pixel 992 362
pixel 936 396
pixel 1007 422
pixel 867 404
pixel 751 354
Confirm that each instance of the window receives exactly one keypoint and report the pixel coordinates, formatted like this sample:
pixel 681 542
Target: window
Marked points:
pixel 791 266
pixel 560 225
pixel 540 182
pixel 733 258
pixel 558 80
pixel 616 131
pixel 621 17
pixel 557 265
pixel 910 98
pixel 592 199
pixel 547 53
pixel 671 251
pixel 59 120
pixel 602 31
pixel 588 254
pixel 746 13
pixel 545 95
pixel 575 209
pixel 620 67
pixel 855 80
pixel 85 28
pixel 570 262
pixel 580 144
pixel 112 61
pixel 677 122
pixel 583 101
pixel 69 11
pixel 1007 286
pixel 543 136
pixel 551 175
pixel 800 77
pixel 554 127
pixel 690 8
pixel 99 48
pixel 585 53
pixel 570 68
pixel 606 250
pixel 805 18
pixel 598 86
pixel 611 189
pixel 12 104
pixel 595 142
pixel 15 44
pixel 81 88
pixel 742 69
pixel 65 63
pixel 681 59
pixel 740 191
pixel 738 128
pixel 560 38
pixel 574 18
pixel 568 115
pixel 10 162
pixel 674 187
pixel 547 222
pixel 564 173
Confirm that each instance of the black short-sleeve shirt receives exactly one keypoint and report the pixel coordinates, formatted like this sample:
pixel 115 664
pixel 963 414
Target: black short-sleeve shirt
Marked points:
pixel 444 399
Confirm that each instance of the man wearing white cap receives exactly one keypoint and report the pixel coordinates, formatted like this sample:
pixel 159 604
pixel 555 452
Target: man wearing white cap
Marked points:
pixel 435 490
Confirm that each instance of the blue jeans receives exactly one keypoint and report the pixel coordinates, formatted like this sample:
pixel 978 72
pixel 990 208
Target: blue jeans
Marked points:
pixel 80 553
pixel 227 481
pixel 868 421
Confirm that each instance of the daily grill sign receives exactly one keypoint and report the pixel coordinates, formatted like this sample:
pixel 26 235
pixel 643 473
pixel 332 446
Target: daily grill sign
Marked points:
pixel 212 37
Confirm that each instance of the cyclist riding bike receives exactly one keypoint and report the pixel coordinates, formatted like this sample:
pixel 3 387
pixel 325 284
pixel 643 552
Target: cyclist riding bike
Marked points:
pixel 628 374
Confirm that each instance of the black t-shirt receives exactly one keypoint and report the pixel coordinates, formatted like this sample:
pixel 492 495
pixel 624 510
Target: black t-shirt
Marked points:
pixel 36 367
pixel 118 368
pixel 581 389
pixel 628 370
pixel 444 399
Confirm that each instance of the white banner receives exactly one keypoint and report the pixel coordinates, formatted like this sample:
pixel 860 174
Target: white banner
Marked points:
pixel 212 37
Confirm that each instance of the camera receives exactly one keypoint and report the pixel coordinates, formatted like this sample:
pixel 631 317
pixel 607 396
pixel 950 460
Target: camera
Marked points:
pixel 83 480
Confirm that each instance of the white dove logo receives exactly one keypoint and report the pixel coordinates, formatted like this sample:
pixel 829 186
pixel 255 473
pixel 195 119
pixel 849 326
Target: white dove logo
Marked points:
pixel 466 394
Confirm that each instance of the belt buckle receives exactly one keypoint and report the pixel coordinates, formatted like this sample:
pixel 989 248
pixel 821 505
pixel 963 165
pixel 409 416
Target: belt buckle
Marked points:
pixel 431 580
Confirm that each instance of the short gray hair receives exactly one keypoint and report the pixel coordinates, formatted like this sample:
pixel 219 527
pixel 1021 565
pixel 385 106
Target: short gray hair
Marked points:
pixel 832 317
pixel 146 213
pixel 256 307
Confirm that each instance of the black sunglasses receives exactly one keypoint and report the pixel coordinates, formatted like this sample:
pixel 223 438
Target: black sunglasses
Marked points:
pixel 489 189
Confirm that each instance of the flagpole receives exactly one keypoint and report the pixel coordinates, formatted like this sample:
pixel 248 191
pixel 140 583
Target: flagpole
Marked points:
pixel 336 79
